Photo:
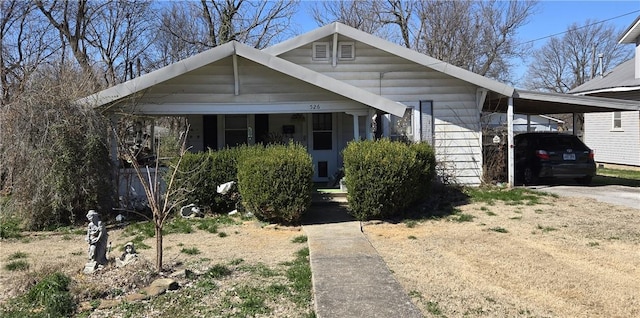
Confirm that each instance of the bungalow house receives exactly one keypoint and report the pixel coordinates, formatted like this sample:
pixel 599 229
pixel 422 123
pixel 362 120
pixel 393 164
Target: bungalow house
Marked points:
pixel 327 87
pixel 615 136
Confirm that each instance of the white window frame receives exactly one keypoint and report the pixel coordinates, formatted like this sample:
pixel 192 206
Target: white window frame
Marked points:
pixel 618 126
pixel 315 46
pixel 413 108
pixel 353 51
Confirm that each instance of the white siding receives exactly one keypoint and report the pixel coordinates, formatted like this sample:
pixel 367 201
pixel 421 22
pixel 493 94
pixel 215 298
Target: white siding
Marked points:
pixel 617 146
pixel 456 117
pixel 215 83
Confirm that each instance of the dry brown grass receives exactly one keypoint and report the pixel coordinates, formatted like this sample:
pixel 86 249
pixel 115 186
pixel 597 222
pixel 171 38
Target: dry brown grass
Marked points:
pixel 49 252
pixel 565 257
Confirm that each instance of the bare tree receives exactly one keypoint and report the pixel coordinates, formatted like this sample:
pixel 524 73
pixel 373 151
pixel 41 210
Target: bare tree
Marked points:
pixel 566 62
pixel 26 44
pixel 480 36
pixel 212 23
pixel 361 15
pixel 121 32
pixel 160 197
pixel 71 20
pixel 398 13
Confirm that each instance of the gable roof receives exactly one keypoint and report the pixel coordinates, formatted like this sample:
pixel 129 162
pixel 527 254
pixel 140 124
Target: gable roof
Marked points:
pixel 632 33
pixel 392 48
pixel 148 80
pixel 620 79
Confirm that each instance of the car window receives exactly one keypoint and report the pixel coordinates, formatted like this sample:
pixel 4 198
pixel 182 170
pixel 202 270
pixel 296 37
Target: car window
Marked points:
pixel 562 141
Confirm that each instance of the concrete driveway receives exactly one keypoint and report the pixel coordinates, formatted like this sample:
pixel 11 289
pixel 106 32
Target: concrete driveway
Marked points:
pixel 614 194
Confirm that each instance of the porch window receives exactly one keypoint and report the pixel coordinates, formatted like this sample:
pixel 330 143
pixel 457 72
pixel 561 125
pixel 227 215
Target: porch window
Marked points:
pixel 617 120
pixel 322 131
pixel 235 130
pixel 402 127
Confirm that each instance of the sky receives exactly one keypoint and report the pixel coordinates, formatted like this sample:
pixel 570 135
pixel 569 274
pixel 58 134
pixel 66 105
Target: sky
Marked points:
pixel 553 17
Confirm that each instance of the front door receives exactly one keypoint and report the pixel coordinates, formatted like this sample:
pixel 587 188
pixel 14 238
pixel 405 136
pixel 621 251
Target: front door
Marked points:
pixel 322 145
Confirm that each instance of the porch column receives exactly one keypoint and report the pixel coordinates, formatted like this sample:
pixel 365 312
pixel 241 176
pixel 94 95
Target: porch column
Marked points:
pixel 356 127
pixel 578 125
pixel 510 155
pixel 371 119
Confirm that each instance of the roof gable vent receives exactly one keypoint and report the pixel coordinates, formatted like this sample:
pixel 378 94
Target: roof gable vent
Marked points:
pixel 346 51
pixel 321 51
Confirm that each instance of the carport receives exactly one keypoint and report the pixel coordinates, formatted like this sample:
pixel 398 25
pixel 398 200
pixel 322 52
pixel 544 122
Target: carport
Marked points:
pixel 539 103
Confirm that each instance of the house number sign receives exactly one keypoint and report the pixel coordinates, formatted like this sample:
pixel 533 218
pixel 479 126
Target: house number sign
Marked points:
pixel 314 106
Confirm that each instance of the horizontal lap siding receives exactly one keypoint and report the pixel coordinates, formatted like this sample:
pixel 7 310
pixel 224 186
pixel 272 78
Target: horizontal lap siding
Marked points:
pixel 611 146
pixel 456 118
pixel 215 83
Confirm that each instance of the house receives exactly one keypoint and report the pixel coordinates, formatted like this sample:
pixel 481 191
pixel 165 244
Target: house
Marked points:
pixel 523 123
pixel 327 87
pixel 615 136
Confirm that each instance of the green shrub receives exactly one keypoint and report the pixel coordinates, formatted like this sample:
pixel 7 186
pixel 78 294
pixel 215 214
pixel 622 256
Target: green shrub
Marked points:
pixel 9 228
pixel 201 173
pixel 426 166
pixel 275 181
pixel 52 295
pixel 385 177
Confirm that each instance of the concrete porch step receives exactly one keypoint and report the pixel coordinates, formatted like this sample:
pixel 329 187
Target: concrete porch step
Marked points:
pixel 321 197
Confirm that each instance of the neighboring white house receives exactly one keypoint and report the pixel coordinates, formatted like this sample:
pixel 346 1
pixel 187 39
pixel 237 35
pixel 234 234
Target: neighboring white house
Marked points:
pixel 327 87
pixel 615 136
pixel 523 123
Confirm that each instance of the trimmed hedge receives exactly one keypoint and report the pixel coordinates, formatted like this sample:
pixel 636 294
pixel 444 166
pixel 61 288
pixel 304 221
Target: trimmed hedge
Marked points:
pixel 200 174
pixel 385 177
pixel 275 182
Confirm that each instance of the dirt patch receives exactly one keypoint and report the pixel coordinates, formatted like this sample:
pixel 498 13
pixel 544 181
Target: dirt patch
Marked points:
pixel 565 257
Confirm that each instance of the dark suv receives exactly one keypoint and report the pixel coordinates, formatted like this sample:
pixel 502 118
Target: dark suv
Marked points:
pixel 552 155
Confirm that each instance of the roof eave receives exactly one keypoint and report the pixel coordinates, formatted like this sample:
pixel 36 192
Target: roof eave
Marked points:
pixel 619 104
pixel 632 33
pixel 145 81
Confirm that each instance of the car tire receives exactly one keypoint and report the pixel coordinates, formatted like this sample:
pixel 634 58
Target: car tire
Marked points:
pixel 585 180
pixel 529 177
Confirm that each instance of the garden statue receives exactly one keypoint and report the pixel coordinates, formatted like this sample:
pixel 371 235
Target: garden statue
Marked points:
pixel 97 239
pixel 129 255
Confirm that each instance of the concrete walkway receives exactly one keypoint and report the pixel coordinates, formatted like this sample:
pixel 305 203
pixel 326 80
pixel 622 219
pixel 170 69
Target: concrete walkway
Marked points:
pixel 349 278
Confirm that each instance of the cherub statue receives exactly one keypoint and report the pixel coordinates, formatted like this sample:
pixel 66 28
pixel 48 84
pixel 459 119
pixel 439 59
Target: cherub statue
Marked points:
pixel 128 256
pixel 97 238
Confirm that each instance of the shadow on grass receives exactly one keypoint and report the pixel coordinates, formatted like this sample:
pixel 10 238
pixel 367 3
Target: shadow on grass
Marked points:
pixel 443 201
pixel 601 180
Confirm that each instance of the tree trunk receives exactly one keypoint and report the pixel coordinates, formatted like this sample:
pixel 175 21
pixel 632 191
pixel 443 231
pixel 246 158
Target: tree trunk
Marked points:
pixel 158 248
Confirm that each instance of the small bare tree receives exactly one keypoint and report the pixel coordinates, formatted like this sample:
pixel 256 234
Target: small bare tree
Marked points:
pixel 160 196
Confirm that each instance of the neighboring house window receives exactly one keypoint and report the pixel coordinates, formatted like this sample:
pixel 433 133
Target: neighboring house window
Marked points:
pixel 402 127
pixel 321 51
pixel 617 120
pixel 346 51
